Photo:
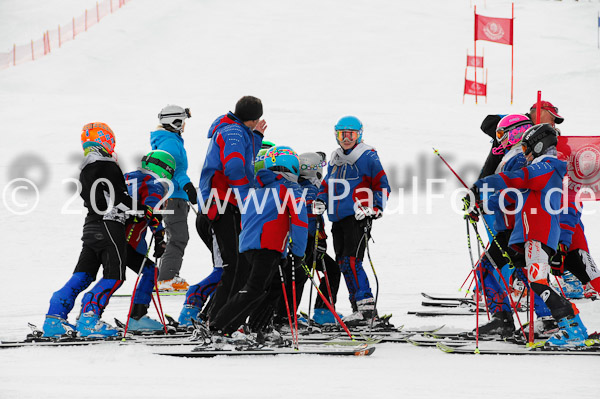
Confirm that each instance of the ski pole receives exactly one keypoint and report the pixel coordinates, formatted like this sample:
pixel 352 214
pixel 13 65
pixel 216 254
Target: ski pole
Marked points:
pixel 136 282
pixel 329 292
pixel 367 235
pixel 314 266
pixel 294 302
pixel 160 312
pixel 287 307
pixel 464 282
pixel 490 231
pixel 512 304
pixel 326 302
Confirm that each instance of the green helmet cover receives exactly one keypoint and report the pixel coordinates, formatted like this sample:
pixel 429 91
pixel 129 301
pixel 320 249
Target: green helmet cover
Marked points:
pixel 160 162
pixel 259 162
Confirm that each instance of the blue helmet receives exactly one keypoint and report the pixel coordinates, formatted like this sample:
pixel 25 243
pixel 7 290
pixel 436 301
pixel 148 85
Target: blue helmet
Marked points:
pixel 350 123
pixel 282 159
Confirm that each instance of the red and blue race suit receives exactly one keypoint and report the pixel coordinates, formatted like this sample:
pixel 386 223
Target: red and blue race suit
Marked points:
pixel 276 214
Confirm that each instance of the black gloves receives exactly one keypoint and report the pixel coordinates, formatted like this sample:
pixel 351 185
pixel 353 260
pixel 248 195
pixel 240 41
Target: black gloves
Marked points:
pixel 191 192
pixel 321 248
pixel 557 262
pixel 159 243
pixel 298 261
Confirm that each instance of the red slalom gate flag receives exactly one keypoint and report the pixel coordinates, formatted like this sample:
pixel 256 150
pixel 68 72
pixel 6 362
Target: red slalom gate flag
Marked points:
pixel 498 30
pixel 473 61
pixel 474 88
pixel 582 154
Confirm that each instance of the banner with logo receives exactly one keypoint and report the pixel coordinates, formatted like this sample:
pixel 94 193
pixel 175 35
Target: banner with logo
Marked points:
pixel 582 154
pixel 497 30
pixel 475 88
pixel 473 61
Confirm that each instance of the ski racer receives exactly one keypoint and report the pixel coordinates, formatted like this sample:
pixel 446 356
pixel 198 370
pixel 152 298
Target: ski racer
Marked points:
pixel 354 170
pixel 105 195
pixel 268 230
pixel 537 227
pixel 168 137
pixel 227 176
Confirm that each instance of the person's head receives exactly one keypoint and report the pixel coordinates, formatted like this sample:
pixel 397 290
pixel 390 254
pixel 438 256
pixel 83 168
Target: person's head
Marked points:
pixel 537 140
pixel 282 159
pixel 98 134
pixel 548 113
pixel 249 109
pixel 311 165
pixel 348 132
pixel 511 128
pixel 172 118
pixel 159 162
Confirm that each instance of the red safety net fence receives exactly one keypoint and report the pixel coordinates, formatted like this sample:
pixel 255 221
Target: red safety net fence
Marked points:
pixel 55 38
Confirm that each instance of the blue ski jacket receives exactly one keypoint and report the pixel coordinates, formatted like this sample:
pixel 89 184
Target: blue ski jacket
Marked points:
pixel 276 215
pixel 144 186
pixel 229 162
pixel 538 216
pixel 173 144
pixel 361 169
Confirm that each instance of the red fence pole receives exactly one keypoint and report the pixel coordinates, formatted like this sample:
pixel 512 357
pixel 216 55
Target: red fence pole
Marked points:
pixel 111 9
pixel 475 47
pixel 32 55
pixel 512 53
pixel 14 54
pixel 86 19
pixel 97 13
pixel 73 27
pixel 59 39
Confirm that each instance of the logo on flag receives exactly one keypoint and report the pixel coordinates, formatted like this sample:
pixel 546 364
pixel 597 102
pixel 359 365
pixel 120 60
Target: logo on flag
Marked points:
pixel 498 30
pixel 583 165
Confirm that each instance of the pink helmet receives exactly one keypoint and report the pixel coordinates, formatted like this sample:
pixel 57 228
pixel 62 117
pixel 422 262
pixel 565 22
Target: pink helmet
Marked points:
pixel 511 128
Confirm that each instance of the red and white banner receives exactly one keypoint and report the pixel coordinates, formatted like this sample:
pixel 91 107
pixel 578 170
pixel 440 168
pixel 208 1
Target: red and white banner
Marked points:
pixel 475 88
pixel 473 61
pixel 582 154
pixel 498 30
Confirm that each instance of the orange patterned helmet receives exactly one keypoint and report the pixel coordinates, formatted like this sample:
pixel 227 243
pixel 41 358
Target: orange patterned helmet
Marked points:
pixel 100 134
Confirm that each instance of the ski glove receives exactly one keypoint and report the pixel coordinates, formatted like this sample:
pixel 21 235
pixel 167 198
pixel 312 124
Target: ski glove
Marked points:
pixel 190 190
pixel 378 214
pixel 363 212
pixel 159 243
pixel 297 261
pixel 152 219
pixel 557 262
pixel 321 249
pixel 319 207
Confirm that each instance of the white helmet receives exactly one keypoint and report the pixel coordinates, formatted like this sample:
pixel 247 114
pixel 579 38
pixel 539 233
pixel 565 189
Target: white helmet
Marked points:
pixel 311 164
pixel 173 116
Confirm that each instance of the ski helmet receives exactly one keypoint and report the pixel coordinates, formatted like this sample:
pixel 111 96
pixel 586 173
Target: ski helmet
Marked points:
pixel 259 162
pixel 160 162
pixel 282 159
pixel 267 144
pixel 511 128
pixel 172 117
pixel 98 134
pixel 311 164
pixel 537 139
pixel 349 128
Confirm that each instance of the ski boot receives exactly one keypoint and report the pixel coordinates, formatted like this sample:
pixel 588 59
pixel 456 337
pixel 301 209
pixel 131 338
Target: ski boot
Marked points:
pixel 90 325
pixel 175 284
pixel 571 286
pixel 543 327
pixel 572 333
pixel 188 313
pixel 56 327
pixel 363 315
pixel 238 340
pixel 324 316
pixel 501 325
pixel 144 324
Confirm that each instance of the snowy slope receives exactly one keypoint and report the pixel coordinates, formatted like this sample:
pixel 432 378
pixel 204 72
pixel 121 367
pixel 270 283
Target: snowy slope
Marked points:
pixel 399 66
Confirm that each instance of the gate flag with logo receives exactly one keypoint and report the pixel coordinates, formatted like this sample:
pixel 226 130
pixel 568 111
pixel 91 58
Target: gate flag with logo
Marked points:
pixel 582 154
pixel 497 30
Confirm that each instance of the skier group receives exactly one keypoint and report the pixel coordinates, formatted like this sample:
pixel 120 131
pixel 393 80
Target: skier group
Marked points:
pixel 260 215
pixel 528 232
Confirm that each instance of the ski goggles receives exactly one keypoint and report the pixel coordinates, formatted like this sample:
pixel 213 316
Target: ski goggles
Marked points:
pixel 313 167
pixel 346 135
